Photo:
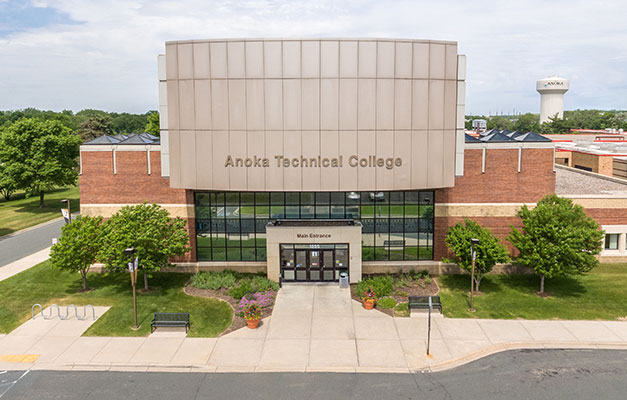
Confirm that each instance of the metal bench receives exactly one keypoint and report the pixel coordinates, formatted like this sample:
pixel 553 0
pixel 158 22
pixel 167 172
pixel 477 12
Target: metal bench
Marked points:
pixel 162 319
pixel 393 243
pixel 422 302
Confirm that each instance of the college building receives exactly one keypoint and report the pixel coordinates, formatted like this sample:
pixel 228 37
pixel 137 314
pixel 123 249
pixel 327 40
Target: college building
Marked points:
pixel 308 158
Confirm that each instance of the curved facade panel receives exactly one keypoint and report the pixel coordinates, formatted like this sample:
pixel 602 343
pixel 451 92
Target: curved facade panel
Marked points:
pixel 312 115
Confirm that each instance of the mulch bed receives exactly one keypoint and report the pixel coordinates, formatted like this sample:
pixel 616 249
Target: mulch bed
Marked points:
pixel 223 294
pixel 414 289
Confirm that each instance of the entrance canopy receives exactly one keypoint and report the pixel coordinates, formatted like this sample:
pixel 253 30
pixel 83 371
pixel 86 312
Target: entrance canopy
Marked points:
pixel 313 250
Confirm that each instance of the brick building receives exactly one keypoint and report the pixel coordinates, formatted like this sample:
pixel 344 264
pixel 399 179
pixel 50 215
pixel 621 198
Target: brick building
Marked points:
pixel 309 158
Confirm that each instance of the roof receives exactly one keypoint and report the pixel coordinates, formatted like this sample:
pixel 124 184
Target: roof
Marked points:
pixel 505 136
pixel 471 139
pixel 104 139
pixel 575 182
pixel 124 139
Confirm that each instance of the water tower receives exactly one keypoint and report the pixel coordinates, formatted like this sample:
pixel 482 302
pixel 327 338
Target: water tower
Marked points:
pixel 552 91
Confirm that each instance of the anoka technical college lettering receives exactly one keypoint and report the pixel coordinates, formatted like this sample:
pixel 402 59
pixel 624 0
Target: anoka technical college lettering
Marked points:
pixel 315 162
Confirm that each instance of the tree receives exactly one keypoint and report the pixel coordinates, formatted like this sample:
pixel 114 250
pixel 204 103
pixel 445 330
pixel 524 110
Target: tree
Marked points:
pixel 78 246
pixel 498 122
pixel 528 123
pixel 40 155
pixel 94 127
pixel 557 239
pixel 152 126
pixel 150 229
pixel 7 184
pixel 490 250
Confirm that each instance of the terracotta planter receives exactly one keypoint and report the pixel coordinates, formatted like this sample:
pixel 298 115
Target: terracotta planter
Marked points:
pixel 252 323
pixel 368 305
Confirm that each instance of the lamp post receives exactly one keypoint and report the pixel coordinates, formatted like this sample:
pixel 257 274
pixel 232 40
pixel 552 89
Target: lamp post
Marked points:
pixel 473 254
pixel 69 212
pixel 132 268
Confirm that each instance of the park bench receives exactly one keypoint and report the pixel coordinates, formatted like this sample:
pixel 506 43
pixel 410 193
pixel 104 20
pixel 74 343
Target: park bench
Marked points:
pixel 393 243
pixel 163 319
pixel 422 303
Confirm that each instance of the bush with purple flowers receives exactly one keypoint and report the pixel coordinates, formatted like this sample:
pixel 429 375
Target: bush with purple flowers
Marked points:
pixel 261 299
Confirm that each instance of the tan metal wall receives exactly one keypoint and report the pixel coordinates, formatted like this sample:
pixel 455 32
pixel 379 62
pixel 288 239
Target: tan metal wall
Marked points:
pixel 392 99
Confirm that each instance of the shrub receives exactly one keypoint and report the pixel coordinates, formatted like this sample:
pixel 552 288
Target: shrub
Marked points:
pixel 386 302
pixel 427 280
pixel 261 299
pixel 214 280
pixel 263 284
pixel 403 280
pixel 419 274
pixel 382 285
pixel 242 289
pixel 401 293
pixel 401 310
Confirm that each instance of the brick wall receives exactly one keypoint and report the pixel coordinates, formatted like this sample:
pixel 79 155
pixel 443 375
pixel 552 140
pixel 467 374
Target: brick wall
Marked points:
pixel 501 183
pixel 131 184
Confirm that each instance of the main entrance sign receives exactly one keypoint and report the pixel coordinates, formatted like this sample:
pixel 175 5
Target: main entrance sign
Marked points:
pixel 314 162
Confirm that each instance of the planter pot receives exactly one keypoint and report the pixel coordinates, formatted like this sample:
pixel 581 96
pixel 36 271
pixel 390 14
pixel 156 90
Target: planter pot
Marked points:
pixel 368 305
pixel 252 323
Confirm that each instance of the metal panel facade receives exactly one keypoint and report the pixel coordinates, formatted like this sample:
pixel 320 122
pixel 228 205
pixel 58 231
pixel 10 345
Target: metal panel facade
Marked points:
pixel 310 115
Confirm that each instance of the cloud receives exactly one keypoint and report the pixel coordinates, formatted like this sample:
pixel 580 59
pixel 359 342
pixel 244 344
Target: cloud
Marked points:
pixel 104 54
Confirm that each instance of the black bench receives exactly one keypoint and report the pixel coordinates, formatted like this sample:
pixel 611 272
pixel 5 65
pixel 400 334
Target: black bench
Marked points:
pixel 165 319
pixel 393 243
pixel 422 302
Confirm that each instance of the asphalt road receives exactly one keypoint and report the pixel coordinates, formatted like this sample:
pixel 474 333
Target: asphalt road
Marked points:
pixel 26 243
pixel 518 374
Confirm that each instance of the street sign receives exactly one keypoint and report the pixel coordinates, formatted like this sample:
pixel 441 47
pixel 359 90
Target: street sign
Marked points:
pixel 66 215
pixel 135 264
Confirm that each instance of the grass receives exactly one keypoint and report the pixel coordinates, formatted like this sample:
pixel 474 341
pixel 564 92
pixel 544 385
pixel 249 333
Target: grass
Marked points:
pixel 21 212
pixel 598 295
pixel 46 285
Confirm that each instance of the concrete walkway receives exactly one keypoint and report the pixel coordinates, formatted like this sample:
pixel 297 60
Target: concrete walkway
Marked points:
pixel 23 264
pixel 313 328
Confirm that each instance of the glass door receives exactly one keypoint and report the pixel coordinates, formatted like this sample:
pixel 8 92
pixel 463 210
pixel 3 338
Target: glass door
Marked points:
pixel 328 265
pixel 314 265
pixel 301 265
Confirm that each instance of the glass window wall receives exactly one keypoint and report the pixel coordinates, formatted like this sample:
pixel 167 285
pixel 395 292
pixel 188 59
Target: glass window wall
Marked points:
pixel 231 226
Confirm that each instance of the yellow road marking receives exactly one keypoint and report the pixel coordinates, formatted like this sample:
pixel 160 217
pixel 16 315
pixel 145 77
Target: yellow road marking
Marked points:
pixel 20 358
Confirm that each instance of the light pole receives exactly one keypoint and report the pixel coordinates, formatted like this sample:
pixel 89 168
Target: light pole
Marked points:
pixel 69 211
pixel 132 268
pixel 473 254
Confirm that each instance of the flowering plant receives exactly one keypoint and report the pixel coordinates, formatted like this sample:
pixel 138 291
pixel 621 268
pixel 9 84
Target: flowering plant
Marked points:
pixel 369 296
pixel 261 299
pixel 252 312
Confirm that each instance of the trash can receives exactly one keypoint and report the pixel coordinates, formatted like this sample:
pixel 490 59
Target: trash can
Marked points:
pixel 343 280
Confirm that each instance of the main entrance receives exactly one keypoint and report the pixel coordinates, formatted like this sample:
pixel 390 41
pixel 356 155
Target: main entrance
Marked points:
pixel 313 262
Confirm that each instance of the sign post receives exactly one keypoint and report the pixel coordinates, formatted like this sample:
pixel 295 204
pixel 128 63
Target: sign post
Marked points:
pixel 473 254
pixel 429 328
pixel 132 268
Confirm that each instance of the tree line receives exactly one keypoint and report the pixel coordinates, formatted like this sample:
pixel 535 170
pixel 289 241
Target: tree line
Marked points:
pixel 39 149
pixel 575 119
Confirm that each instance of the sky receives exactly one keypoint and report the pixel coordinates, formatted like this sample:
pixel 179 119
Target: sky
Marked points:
pixel 77 54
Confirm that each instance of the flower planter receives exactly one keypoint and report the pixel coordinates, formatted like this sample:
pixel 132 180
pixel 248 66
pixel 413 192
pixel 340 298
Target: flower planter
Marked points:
pixel 252 323
pixel 368 304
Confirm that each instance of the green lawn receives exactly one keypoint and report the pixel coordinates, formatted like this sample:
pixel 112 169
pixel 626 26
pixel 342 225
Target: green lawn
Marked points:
pixel 45 285
pixel 601 294
pixel 20 212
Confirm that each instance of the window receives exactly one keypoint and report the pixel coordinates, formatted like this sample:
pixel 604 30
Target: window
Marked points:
pixel 231 226
pixel 611 241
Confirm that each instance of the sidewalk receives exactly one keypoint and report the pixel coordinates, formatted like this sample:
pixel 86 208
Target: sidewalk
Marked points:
pixel 313 328
pixel 23 264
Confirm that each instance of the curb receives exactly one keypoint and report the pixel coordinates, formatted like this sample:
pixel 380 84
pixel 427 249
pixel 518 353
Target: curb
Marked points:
pixel 498 348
